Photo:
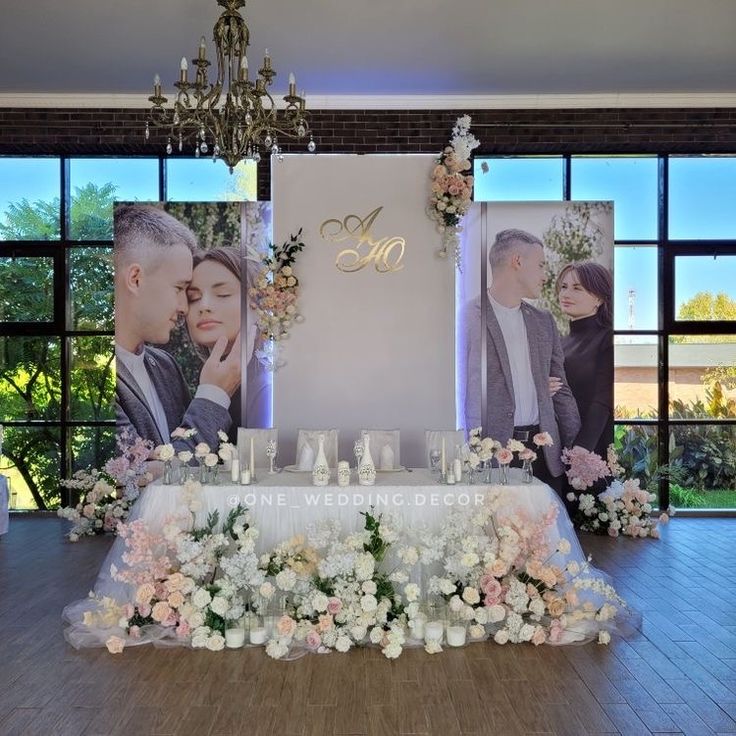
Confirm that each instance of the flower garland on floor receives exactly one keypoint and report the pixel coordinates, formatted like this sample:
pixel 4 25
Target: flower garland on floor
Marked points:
pixel 107 495
pixel 452 190
pixel 326 591
pixel 623 507
pixel 274 298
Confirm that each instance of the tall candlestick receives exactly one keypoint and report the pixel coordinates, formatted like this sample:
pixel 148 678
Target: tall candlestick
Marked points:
pixel 235 470
pixel 252 465
pixel 443 459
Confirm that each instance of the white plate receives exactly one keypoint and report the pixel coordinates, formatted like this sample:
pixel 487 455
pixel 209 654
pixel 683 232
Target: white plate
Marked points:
pixel 393 470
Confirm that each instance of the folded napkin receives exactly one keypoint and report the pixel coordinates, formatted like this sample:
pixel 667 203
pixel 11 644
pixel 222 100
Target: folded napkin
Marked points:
pixel 386 458
pixel 306 458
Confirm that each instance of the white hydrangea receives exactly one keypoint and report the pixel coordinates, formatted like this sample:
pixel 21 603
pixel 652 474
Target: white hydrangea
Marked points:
pixel 201 598
pixel 411 591
pixel 286 579
pixel 368 603
pixel 343 643
pixel 219 605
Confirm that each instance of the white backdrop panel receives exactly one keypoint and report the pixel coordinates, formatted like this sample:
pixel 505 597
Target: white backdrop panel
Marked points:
pixel 376 350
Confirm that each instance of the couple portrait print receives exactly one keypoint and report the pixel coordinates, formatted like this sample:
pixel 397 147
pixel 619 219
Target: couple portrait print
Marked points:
pixel 542 338
pixel 180 273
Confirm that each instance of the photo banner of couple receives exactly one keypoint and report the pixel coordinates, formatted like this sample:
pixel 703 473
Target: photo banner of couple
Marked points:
pixel 536 354
pixel 191 330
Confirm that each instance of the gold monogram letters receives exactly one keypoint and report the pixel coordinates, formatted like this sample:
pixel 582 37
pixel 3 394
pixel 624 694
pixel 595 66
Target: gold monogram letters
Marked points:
pixel 385 254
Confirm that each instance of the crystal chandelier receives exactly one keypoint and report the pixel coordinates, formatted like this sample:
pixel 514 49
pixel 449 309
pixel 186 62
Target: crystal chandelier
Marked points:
pixel 231 117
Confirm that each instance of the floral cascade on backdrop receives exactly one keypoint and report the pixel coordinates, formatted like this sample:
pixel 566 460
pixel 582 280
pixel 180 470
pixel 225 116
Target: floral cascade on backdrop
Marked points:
pixel 452 190
pixel 621 508
pixel 488 572
pixel 274 298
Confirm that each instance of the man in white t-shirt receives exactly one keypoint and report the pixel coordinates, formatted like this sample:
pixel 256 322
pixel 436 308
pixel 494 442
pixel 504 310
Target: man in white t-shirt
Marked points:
pixel 153 267
pixel 523 351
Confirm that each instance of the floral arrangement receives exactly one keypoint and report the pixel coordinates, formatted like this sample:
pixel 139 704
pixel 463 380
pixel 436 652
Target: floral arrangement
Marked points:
pixel 328 592
pixel 108 494
pixel 452 189
pixel 274 296
pixel 501 579
pixel 623 507
pixel 480 451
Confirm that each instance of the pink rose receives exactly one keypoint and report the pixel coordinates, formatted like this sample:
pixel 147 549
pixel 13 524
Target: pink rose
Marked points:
pixel 286 626
pixel 543 439
pixel 144 610
pixel 555 631
pixel 115 645
pixel 183 630
pixel 499 568
pixel 325 623
pixel 161 611
pixel 539 637
pixel 334 606
pixel 176 599
pixel 313 639
pixel 491 590
pixel 504 456
pixel 612 532
pixel 135 632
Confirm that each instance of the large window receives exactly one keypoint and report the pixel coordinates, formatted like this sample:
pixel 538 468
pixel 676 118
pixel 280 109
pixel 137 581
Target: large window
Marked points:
pixel 674 305
pixel 57 379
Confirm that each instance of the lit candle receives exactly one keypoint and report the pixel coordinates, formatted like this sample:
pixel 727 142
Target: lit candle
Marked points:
pixel 456 636
pixel 183 67
pixel 235 470
pixel 292 84
pixel 245 477
pixel 157 86
pixel 252 465
pixel 234 638
pixel 266 61
pixel 202 48
pixel 433 631
pixel 258 636
pixel 417 626
pixel 244 69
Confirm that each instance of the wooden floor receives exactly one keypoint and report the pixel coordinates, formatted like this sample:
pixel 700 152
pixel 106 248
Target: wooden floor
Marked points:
pixel 677 676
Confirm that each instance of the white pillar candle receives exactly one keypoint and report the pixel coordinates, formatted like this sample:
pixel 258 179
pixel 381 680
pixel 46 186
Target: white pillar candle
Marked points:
pixel 457 468
pixel 235 470
pixel 245 477
pixel 252 465
pixel 234 638
pixel 433 631
pixel 258 636
pixel 450 478
pixel 456 636
pixel 417 627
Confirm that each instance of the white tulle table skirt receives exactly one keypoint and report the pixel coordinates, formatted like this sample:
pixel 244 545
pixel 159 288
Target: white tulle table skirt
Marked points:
pixel 285 504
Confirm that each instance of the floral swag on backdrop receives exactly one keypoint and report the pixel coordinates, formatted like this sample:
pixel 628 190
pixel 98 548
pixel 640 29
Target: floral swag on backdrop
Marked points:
pixel 452 190
pixel 273 298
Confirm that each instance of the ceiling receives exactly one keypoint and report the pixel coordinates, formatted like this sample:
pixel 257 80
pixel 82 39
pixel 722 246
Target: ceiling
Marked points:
pixel 383 47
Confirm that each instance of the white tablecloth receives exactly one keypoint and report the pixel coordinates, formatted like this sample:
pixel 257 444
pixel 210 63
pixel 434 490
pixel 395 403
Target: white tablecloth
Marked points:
pixel 4 518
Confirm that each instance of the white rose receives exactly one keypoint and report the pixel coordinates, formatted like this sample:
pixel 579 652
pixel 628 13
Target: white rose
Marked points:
pixel 471 596
pixel 604 637
pixel 201 598
pixel 477 632
pixel 343 643
pixel 455 604
pixel 368 603
pixel 376 635
pixel 266 590
pixel 481 615
pixel 446 587
pixel 219 605
pixel 210 460
pixel 496 613
pixel 501 636
pixel 216 643
pixel 201 450
pixel 286 579
pixel 411 591
pixel 564 546
pixel 526 633
pixel 369 587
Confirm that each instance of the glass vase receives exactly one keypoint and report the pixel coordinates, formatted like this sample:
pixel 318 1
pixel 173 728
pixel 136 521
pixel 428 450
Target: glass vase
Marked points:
pixel 183 473
pixel 202 472
pixel 167 472
pixel 503 475
pixel 527 476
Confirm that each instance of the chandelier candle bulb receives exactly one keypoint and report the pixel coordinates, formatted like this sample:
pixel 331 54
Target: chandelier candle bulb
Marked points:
pixel 292 85
pixel 183 67
pixel 244 69
pixel 266 61
pixel 202 48
pixel 157 86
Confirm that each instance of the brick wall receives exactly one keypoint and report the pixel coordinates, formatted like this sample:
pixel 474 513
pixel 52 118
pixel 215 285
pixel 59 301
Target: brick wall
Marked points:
pixel 119 131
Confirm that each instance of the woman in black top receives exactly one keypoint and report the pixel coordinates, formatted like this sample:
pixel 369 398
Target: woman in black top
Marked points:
pixel 585 293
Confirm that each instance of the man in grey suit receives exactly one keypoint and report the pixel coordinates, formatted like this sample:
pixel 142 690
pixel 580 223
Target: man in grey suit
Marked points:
pixel 153 267
pixel 523 349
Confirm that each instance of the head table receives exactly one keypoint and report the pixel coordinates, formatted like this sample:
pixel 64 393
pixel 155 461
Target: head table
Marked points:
pixel 284 504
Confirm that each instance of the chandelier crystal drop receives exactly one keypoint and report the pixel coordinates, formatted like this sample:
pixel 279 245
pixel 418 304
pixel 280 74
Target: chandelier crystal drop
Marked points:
pixel 233 116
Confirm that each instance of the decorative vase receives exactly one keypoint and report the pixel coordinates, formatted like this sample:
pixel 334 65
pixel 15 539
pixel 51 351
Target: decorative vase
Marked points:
pixel 183 473
pixel 202 472
pixel 367 469
pixel 527 476
pixel 213 479
pixel 167 472
pixel 321 470
pixel 504 474
pixel 343 473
